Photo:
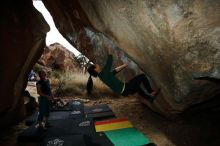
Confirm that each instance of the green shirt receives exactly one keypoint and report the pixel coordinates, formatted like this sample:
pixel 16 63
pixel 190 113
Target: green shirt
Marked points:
pixel 108 77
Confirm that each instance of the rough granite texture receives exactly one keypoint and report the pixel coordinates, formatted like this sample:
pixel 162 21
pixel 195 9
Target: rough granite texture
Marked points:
pixel 173 41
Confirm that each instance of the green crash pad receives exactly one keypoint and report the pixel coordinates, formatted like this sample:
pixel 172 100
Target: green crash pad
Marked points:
pixel 127 137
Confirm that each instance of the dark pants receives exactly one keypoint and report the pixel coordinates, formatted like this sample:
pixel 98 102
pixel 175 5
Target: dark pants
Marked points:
pixel 134 86
pixel 44 108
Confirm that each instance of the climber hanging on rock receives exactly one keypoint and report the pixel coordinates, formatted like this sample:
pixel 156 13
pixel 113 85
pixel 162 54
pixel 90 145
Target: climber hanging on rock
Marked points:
pixel 139 83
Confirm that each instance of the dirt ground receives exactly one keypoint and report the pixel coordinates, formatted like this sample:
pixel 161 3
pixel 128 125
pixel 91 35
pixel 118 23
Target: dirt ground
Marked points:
pixel 197 131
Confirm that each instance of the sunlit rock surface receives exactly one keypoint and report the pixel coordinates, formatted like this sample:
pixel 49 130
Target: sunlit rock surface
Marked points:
pixel 173 41
pixel 58 57
pixel 23 32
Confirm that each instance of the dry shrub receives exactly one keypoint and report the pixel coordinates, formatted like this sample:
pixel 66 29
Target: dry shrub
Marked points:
pixel 74 84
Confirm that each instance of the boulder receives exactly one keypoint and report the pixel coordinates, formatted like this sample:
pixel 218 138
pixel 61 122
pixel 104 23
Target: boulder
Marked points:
pixel 23 32
pixel 58 57
pixel 174 42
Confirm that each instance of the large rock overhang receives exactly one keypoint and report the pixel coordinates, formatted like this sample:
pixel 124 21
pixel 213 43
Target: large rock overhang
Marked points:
pixel 175 42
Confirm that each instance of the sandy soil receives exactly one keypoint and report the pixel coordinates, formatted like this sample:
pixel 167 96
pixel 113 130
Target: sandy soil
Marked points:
pixel 197 131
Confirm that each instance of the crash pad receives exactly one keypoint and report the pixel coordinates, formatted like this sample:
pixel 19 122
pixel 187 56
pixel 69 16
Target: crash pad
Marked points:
pixel 101 116
pixel 127 137
pixel 56 115
pixel 76 114
pixel 64 108
pixel 112 124
pixel 91 139
pixel 76 105
pixel 59 128
pixel 97 139
pixel 32 119
pixel 66 140
pixel 99 112
pixel 71 105
pixel 97 109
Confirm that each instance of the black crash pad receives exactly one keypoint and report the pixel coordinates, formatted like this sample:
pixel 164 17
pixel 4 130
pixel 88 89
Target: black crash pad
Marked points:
pixel 31 134
pixel 71 105
pixel 76 114
pixel 101 111
pixel 97 109
pixel 64 108
pixel 76 105
pixel 99 116
pixel 150 144
pixel 58 115
pixel 97 139
pixel 67 140
pixel 31 119
pixel 53 116
pixel 59 128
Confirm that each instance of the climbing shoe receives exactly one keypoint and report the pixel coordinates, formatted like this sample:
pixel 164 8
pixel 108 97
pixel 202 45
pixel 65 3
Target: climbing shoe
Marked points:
pixel 155 93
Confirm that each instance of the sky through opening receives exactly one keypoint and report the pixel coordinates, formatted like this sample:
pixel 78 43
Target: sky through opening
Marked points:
pixel 53 35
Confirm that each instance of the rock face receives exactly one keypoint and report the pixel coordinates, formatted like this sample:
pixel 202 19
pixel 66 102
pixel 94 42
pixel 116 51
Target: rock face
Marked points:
pixel 23 32
pixel 58 57
pixel 173 41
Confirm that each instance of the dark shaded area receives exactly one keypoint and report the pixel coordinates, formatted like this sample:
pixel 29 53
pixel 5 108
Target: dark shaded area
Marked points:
pixel 23 31
pixel 209 108
pixel 198 126
pixel 208 78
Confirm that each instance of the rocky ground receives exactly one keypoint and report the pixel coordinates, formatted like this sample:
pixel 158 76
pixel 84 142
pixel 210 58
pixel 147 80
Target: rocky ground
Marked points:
pixel 198 131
